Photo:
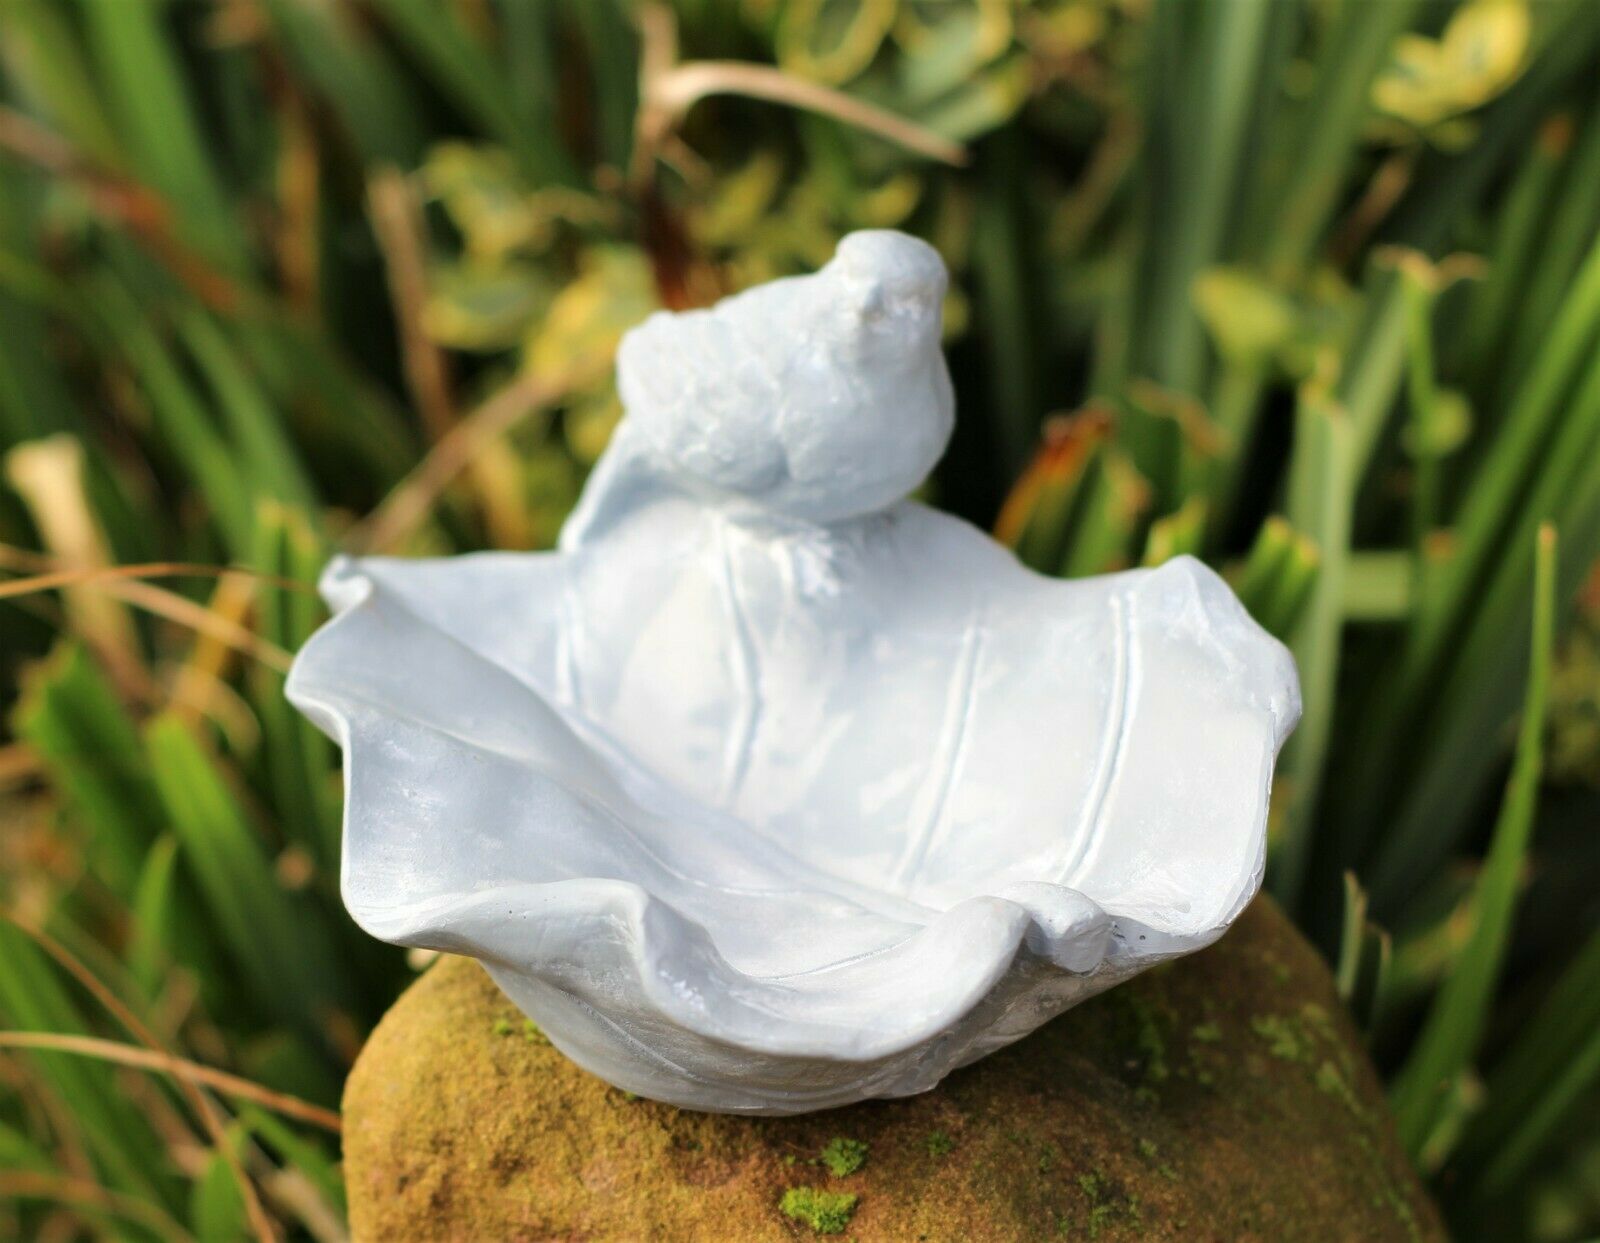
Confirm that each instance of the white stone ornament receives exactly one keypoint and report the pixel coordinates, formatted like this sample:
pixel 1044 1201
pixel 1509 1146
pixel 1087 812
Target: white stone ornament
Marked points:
pixel 772 790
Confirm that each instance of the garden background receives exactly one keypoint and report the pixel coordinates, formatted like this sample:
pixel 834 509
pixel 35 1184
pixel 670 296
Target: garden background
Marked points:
pixel 1309 288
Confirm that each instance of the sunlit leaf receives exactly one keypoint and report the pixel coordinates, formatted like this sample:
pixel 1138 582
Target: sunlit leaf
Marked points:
pixel 832 40
pixel 1479 54
pixel 1246 317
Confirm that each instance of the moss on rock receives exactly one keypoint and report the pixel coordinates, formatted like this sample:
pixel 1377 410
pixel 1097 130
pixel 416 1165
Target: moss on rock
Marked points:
pixel 826 1212
pixel 1223 1096
pixel 843 1156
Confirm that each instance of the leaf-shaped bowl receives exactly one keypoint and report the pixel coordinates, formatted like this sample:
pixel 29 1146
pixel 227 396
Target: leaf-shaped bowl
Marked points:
pixel 754 812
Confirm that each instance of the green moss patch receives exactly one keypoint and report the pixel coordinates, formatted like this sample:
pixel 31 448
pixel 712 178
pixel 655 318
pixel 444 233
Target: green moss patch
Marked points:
pixel 844 1156
pixel 826 1212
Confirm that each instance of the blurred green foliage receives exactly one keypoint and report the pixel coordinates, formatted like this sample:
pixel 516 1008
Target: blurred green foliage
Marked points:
pixel 1309 288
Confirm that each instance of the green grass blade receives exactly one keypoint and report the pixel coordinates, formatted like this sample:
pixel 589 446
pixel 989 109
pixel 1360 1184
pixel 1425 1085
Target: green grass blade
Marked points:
pixel 1002 256
pixel 1106 521
pixel 1037 516
pixel 611 44
pixel 151 933
pixel 1294 211
pixel 1365 952
pixel 1459 740
pixel 1269 553
pixel 268 455
pixel 180 417
pixel 339 416
pixel 1320 497
pixel 301 763
pixel 148 98
pixel 90 748
pixel 1573 1086
pixel 471 78
pixel 300 1154
pixel 18 1152
pixel 126 1150
pixel 1565 236
pixel 45 61
pixel 288 959
pixel 1529 423
pixel 345 65
pixel 1371 376
pixel 1276 580
pixel 35 399
pixel 1512 253
pixel 1553 1062
pixel 532 61
pixel 1455 1023
pixel 1378 586
pixel 1204 78
pixel 1181 533
pixel 1351 933
pixel 1451 710
pixel 216 1207
pixel 1422 392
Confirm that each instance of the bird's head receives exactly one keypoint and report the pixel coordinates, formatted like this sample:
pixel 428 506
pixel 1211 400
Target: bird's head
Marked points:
pixel 891 291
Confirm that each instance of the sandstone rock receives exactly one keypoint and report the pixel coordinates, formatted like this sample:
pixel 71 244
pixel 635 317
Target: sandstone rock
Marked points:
pixel 1224 1096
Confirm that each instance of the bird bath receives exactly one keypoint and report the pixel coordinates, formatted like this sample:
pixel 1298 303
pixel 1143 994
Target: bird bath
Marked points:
pixel 772 790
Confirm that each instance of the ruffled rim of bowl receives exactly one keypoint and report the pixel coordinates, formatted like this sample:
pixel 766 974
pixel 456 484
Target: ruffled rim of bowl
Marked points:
pixel 964 952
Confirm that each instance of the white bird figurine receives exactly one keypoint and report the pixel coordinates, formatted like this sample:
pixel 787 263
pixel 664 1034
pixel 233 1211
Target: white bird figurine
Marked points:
pixel 815 397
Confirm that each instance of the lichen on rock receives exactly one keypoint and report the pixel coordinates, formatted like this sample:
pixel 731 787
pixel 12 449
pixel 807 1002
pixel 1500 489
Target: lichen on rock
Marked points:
pixel 1224 1096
